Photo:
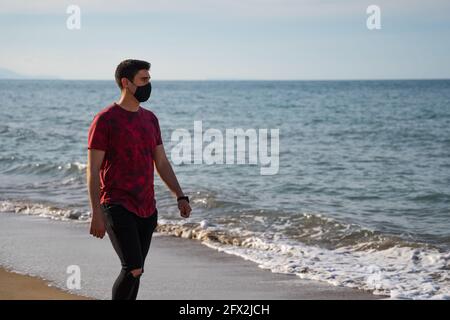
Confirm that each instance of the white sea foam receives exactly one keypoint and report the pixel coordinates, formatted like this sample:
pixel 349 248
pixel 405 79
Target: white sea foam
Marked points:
pixel 43 210
pixel 399 272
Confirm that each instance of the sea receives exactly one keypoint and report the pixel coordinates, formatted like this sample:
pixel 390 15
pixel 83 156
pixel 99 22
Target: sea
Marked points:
pixel 360 197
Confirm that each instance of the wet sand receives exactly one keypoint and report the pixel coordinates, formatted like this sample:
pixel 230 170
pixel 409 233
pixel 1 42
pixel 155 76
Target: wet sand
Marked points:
pixel 15 286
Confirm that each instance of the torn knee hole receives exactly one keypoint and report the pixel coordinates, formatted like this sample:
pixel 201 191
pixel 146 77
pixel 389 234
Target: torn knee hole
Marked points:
pixel 136 272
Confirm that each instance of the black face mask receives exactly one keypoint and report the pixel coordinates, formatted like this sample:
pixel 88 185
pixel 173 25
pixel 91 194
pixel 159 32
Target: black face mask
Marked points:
pixel 142 93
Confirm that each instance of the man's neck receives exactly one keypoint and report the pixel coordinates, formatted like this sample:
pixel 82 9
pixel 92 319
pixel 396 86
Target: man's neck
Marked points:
pixel 128 102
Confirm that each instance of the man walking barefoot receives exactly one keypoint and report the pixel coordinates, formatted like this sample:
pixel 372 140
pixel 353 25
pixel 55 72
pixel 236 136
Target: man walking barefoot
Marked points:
pixel 124 145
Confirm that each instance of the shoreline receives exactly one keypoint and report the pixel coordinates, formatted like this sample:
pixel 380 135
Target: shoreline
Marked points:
pixel 175 268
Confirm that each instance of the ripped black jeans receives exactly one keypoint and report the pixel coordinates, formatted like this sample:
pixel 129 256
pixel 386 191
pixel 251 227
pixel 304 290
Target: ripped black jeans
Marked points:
pixel 130 236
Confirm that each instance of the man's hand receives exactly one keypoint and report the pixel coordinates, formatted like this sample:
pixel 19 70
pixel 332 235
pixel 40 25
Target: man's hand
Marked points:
pixel 98 227
pixel 185 208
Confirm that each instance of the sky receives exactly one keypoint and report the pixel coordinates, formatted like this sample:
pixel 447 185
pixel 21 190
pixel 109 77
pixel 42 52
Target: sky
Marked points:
pixel 228 39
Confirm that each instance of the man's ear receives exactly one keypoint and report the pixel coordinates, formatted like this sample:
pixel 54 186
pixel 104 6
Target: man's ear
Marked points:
pixel 124 81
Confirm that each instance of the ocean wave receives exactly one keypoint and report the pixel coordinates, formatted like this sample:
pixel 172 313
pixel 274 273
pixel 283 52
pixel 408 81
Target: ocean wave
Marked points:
pixel 209 200
pixel 46 168
pixel 17 133
pixel 3 128
pixel 432 197
pixel 397 270
pixel 205 200
pixel 309 229
pixel 43 210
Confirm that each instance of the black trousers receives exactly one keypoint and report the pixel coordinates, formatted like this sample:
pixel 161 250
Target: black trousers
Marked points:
pixel 130 236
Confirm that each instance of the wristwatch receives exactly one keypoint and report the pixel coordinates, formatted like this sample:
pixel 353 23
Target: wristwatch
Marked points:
pixel 183 198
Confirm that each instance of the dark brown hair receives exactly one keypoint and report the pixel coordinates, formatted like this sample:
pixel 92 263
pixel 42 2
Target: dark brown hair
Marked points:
pixel 129 68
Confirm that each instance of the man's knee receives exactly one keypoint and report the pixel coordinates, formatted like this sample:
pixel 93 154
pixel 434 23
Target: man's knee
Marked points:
pixel 136 272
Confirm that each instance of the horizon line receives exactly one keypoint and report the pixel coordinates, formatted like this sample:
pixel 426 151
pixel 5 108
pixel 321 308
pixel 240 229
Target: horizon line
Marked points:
pixel 237 79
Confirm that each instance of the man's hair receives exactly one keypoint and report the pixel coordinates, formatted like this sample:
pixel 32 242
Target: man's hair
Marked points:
pixel 129 68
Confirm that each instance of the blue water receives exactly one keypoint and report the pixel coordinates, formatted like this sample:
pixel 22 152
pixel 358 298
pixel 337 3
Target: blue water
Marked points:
pixel 361 162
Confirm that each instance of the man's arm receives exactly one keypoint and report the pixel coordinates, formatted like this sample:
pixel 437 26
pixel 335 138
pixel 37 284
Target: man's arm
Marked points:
pixel 166 173
pixel 95 159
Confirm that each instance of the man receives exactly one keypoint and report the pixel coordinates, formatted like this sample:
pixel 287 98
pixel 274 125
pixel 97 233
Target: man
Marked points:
pixel 124 145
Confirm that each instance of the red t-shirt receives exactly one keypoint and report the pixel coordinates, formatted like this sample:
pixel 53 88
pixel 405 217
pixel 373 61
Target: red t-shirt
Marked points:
pixel 126 174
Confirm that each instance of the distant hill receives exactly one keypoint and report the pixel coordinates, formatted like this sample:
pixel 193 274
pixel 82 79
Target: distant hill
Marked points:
pixel 9 74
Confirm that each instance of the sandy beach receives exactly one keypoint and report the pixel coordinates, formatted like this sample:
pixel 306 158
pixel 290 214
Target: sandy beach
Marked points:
pixel 22 287
pixel 175 268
